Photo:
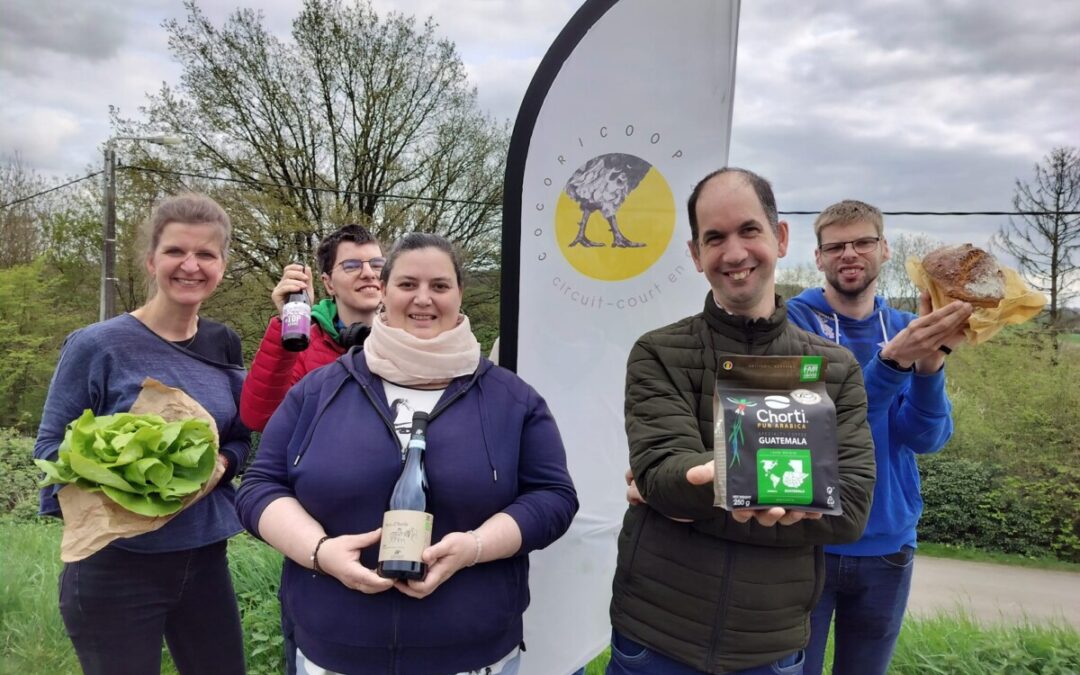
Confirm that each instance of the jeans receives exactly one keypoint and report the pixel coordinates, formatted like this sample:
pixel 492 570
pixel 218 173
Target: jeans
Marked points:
pixel 629 657
pixel 118 605
pixel 869 595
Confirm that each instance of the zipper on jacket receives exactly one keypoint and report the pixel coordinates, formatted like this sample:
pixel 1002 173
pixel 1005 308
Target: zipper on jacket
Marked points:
pixel 443 405
pixel 315 422
pixel 385 418
pixel 725 600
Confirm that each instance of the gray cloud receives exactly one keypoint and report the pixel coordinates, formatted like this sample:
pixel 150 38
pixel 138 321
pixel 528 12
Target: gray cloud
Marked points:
pixel 87 29
pixel 930 106
pixel 914 104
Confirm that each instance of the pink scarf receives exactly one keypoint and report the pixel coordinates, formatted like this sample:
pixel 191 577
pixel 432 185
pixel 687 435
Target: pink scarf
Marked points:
pixel 402 358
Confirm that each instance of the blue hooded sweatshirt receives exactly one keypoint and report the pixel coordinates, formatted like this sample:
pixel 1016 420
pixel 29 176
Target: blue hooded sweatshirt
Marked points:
pixel 909 414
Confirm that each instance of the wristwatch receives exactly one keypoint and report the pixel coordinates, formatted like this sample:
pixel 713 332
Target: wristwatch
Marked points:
pixel 895 364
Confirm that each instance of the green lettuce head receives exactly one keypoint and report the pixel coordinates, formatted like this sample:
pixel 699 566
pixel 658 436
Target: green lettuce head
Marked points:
pixel 141 462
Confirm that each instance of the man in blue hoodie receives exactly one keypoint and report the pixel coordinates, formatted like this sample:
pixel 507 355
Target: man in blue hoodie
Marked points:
pixel 902 357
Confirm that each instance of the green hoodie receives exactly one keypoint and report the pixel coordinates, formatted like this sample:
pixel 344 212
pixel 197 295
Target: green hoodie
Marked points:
pixel 325 312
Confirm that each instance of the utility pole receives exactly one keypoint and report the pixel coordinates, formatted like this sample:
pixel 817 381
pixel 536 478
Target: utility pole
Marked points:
pixel 107 308
pixel 108 238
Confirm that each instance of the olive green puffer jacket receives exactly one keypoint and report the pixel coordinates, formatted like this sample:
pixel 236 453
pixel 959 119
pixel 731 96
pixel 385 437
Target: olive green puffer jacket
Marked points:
pixel 713 593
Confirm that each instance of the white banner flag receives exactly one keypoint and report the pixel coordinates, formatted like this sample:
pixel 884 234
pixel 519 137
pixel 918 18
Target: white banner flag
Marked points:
pixel 630 107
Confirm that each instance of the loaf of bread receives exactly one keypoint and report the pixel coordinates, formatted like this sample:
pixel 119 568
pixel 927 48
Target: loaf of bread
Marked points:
pixel 966 273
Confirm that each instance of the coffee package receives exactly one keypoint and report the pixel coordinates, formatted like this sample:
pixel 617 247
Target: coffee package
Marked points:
pixel 775 435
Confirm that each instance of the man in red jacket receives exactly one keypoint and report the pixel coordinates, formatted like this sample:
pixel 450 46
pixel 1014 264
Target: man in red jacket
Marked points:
pixel 350 261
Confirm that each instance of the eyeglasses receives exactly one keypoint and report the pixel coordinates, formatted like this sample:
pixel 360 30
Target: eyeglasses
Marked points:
pixel 353 265
pixel 861 245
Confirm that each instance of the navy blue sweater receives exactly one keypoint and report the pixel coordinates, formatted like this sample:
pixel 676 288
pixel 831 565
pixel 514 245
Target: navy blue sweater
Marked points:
pixel 102 368
pixel 492 446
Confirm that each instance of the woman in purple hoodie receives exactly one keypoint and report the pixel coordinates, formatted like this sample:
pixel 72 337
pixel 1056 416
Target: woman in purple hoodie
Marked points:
pixel 331 454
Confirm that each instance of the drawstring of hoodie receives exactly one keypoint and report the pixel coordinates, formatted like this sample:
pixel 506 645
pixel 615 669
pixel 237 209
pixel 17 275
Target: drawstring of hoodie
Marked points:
pixel 483 429
pixel 881 320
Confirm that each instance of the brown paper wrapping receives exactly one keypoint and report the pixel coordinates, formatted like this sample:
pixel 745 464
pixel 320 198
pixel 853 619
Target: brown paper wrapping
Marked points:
pixel 92 520
pixel 1020 304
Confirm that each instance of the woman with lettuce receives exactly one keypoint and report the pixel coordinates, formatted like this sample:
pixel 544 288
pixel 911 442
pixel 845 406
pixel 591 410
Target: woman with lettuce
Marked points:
pixel 174 582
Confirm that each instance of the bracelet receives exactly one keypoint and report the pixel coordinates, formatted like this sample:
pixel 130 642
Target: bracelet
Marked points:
pixel 315 556
pixel 479 547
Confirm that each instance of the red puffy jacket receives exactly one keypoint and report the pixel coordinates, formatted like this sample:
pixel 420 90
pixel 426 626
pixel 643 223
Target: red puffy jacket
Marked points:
pixel 275 370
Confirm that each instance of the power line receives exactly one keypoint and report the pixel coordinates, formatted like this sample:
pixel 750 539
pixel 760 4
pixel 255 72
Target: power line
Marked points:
pixel 242 181
pixel 52 189
pixel 474 202
pixel 483 203
pixel 949 213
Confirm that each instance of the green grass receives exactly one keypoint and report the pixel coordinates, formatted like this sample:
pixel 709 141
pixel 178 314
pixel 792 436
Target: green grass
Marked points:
pixel 979 555
pixel 957 643
pixel 32 638
pixel 256 573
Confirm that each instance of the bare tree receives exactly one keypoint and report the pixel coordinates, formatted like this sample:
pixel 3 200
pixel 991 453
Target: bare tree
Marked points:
pixel 894 282
pixel 804 274
pixel 350 120
pixel 1045 240
pixel 790 281
pixel 20 223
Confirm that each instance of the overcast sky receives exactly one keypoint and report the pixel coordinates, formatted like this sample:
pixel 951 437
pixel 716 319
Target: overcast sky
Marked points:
pixel 910 105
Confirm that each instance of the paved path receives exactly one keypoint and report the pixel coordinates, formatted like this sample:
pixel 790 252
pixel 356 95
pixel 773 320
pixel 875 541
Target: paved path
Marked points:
pixel 994 593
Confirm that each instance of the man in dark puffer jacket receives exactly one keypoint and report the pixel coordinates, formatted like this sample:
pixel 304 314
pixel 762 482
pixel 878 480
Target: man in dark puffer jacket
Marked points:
pixel 699 589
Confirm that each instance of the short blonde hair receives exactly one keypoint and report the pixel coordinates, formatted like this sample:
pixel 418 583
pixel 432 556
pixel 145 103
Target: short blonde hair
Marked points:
pixel 188 208
pixel 849 211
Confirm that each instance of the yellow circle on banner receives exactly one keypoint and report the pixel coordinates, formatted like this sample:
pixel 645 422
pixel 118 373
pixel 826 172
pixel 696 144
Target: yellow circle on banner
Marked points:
pixel 630 217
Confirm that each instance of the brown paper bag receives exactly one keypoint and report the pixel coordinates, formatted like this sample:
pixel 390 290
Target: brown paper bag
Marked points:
pixel 92 520
pixel 1020 304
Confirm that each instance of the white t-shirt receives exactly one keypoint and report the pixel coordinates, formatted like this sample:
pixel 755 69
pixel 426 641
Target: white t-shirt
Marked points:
pixel 404 401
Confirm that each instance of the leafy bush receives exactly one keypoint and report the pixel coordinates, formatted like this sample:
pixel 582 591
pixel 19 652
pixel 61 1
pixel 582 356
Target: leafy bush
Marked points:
pixel 30 338
pixel 1014 400
pixel 983 505
pixel 956 498
pixel 1007 480
pixel 18 475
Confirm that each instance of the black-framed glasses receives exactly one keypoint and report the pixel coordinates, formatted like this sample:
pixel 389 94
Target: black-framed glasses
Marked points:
pixel 860 245
pixel 352 265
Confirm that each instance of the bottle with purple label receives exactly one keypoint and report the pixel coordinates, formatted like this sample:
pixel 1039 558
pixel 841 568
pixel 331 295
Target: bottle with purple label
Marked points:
pixel 296 322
